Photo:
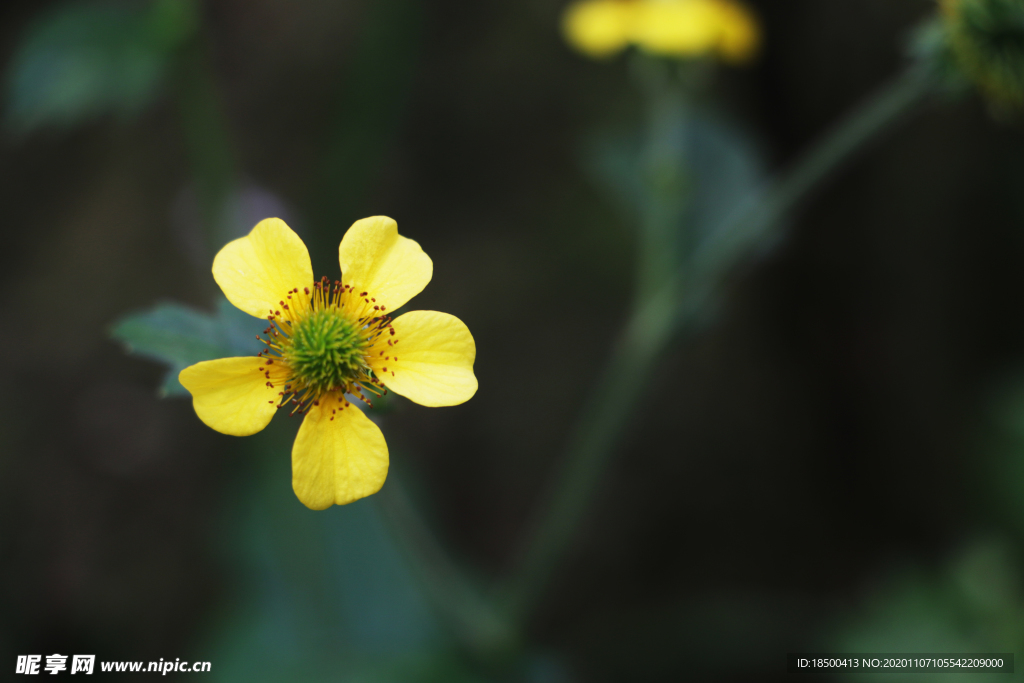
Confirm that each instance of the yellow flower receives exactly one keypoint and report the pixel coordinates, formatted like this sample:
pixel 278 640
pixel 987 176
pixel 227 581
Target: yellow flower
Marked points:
pixel 675 28
pixel 328 341
pixel 598 28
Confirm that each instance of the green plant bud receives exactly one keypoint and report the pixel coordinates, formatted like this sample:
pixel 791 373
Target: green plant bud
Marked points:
pixel 987 40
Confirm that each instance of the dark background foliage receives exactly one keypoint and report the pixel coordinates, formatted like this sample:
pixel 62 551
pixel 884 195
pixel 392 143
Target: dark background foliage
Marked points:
pixel 842 421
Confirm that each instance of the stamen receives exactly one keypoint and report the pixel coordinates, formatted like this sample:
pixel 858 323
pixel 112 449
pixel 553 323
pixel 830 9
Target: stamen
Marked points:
pixel 322 344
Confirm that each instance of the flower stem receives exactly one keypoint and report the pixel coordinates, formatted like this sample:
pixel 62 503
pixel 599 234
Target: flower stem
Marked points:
pixel 764 213
pixel 681 298
pixel 450 590
pixel 207 140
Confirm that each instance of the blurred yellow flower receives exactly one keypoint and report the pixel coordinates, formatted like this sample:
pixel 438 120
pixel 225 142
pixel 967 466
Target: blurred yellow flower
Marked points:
pixel 675 28
pixel 327 342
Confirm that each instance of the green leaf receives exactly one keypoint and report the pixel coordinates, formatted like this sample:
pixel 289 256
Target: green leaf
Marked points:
pixel 972 604
pixel 179 336
pixel 720 169
pixel 83 60
pixel 318 596
pixel 727 171
pixel 680 181
pixel 1001 447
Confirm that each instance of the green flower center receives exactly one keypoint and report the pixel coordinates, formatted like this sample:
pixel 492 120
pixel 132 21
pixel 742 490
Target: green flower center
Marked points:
pixel 323 341
pixel 326 351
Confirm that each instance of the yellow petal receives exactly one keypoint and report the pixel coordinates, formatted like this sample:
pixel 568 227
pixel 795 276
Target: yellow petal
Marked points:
pixel 598 28
pixel 430 360
pixel 376 259
pixel 340 460
pixel 691 28
pixel 740 35
pixel 681 29
pixel 257 271
pixel 231 394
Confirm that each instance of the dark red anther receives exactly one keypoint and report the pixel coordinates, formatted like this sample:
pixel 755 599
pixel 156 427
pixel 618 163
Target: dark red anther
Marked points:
pixel 376 308
pixel 383 308
pixel 373 300
pixel 363 294
pixel 270 362
pixel 306 289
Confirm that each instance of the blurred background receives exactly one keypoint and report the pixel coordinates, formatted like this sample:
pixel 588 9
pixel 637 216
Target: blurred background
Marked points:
pixel 834 461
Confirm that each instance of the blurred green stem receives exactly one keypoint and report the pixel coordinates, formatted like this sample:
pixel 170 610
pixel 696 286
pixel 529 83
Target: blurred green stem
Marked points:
pixel 765 212
pixel 368 113
pixel 208 143
pixel 660 240
pixel 675 305
pixel 471 617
